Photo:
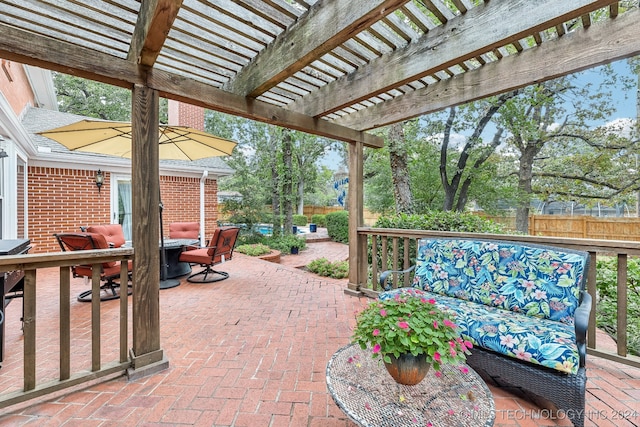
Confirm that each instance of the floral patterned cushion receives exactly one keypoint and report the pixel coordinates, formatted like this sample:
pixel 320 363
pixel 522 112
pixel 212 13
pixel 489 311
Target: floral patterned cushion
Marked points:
pixel 536 281
pixel 535 340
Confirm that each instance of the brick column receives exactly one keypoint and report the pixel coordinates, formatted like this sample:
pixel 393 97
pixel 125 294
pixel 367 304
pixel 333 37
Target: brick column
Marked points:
pixel 181 114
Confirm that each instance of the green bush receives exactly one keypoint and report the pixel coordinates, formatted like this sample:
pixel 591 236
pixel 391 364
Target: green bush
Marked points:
pixel 300 220
pixel 255 249
pixel 338 226
pixel 607 300
pixel 326 268
pixel 441 221
pixel 250 238
pixel 284 243
pixel 319 220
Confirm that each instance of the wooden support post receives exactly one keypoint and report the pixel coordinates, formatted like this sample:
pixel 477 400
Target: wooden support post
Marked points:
pixel 357 244
pixel 145 183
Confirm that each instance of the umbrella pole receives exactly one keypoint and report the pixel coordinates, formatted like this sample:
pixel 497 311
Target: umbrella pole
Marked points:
pixel 164 282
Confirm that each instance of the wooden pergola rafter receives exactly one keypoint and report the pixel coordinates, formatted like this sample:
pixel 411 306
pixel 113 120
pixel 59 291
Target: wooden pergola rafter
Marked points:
pixel 334 68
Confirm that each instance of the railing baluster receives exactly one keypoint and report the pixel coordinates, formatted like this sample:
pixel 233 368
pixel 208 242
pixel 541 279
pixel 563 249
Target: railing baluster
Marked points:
pixel 394 254
pixel 65 323
pixel 95 317
pixel 384 265
pixel 124 312
pixel 591 288
pixel 29 329
pixel 406 261
pixel 621 324
pixel 374 262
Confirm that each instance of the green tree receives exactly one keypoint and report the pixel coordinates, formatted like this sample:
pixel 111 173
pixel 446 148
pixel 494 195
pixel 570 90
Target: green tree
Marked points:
pixel 94 99
pixel 549 129
pixel 457 176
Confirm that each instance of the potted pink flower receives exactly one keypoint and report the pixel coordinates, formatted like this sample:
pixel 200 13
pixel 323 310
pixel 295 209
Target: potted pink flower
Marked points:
pixel 410 333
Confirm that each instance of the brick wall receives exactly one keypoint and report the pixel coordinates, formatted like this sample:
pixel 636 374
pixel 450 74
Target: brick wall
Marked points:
pixel 186 115
pixel 181 201
pixel 15 86
pixel 61 200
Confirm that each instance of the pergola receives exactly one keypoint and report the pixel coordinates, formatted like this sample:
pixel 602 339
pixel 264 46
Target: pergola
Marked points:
pixel 335 68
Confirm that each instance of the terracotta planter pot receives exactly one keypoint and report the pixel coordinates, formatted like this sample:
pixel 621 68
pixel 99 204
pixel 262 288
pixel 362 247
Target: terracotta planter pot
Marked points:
pixel 408 369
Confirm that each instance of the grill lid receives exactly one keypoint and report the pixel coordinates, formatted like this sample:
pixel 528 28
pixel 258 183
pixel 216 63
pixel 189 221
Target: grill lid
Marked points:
pixel 14 246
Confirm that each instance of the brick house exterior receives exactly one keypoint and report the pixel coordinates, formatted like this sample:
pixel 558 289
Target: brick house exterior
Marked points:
pixel 61 194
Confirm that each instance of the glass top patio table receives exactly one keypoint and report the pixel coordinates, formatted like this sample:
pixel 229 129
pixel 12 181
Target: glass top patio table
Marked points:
pixel 363 389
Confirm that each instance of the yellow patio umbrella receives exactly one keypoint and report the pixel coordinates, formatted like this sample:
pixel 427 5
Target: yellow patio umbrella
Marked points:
pixel 114 139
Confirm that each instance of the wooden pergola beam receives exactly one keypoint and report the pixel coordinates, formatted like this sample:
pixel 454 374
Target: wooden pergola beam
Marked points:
pixel 27 48
pixel 576 51
pixel 328 24
pixel 155 20
pixel 460 39
pixel 203 95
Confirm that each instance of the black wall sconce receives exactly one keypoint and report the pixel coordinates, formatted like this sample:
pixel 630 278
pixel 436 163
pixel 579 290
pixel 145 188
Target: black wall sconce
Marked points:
pixel 3 153
pixel 99 179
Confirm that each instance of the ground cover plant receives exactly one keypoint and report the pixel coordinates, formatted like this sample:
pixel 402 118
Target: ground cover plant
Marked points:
pixel 324 267
pixel 282 243
pixel 253 249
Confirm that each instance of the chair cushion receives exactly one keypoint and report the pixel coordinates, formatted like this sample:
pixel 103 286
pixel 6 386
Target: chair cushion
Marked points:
pixel 112 232
pixel 110 271
pixel 196 256
pixel 536 340
pixel 184 230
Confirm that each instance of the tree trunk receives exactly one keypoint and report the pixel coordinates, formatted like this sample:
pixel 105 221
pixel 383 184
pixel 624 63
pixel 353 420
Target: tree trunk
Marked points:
pixel 525 175
pixel 300 197
pixel 449 190
pixel 464 189
pixel 287 181
pixel 275 199
pixel 399 169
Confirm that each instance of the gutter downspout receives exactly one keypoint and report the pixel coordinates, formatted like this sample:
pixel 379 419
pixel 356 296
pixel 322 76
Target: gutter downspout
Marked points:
pixel 205 174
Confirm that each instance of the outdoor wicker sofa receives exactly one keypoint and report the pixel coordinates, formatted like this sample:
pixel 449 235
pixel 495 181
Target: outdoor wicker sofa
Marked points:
pixel 523 306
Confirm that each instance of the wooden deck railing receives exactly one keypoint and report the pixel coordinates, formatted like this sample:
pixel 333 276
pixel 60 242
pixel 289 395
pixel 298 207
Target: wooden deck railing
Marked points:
pixel 395 249
pixel 30 264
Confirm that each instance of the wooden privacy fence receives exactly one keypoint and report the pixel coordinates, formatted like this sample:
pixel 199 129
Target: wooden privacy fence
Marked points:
pixel 581 227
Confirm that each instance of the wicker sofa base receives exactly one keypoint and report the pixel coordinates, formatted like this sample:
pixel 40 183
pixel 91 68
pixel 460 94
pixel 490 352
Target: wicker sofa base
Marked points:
pixel 566 392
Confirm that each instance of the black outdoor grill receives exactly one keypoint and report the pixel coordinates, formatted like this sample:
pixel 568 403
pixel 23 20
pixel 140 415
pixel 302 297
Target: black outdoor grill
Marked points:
pixel 11 282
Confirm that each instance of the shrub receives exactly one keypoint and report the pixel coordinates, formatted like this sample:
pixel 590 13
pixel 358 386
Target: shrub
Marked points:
pixel 255 249
pixel 326 268
pixel 300 220
pixel 338 226
pixel 284 243
pixel 441 221
pixel 250 238
pixel 607 300
pixel 319 220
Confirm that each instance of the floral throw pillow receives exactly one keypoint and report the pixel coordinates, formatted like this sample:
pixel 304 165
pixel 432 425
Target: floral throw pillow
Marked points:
pixel 536 281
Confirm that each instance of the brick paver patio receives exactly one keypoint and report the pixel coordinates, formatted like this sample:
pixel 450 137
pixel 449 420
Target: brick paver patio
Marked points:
pixel 252 351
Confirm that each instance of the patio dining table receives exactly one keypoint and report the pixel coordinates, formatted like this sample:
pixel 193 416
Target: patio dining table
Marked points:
pixel 175 268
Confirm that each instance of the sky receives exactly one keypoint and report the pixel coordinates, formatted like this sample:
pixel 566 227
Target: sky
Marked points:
pixel 624 102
